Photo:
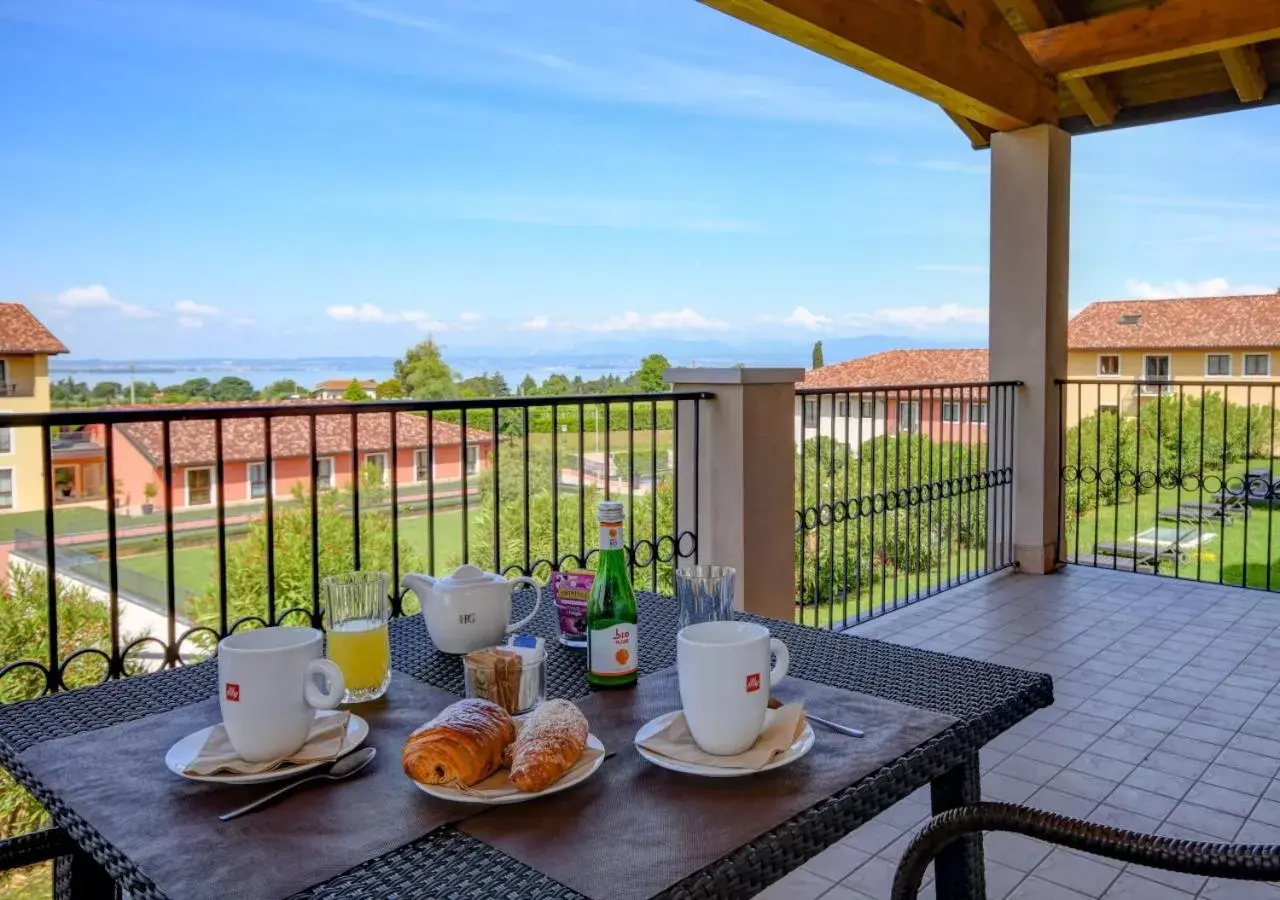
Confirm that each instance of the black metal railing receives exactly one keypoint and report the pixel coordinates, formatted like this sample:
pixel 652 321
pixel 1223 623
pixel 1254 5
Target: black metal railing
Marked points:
pixel 392 485
pixel 901 493
pixel 1173 478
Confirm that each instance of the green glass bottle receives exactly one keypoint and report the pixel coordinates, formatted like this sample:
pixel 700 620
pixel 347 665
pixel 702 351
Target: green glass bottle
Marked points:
pixel 612 632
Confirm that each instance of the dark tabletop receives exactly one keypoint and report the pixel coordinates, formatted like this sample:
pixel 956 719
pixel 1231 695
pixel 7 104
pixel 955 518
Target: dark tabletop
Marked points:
pixel 986 698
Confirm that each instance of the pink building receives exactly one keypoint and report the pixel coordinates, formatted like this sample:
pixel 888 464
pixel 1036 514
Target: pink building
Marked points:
pixel 139 456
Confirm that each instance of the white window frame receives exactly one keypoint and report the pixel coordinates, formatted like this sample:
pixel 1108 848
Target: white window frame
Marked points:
pixel 912 419
pixel 1157 387
pixel 806 404
pixel 13 487
pixel 947 406
pixel 270 479
pixel 842 406
pixel 186 486
pixel 1119 365
pixel 1230 366
pixel 8 432
pixel 428 463
pixel 862 408
pixel 386 472
pixel 976 405
pixel 333 473
pixel 1244 365
pixel 466 462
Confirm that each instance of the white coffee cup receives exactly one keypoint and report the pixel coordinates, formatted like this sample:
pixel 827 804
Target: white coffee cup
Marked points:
pixel 269 689
pixel 725 679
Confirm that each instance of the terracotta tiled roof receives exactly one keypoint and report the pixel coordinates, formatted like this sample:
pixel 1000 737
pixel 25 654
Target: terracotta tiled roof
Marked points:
pixel 1189 323
pixel 243 439
pixel 340 384
pixel 902 367
pixel 21 332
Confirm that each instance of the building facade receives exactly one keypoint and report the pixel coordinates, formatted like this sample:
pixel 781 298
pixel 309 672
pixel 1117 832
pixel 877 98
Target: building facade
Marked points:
pixel 25 348
pixel 865 400
pixel 336 388
pixel 247 477
pixel 1123 352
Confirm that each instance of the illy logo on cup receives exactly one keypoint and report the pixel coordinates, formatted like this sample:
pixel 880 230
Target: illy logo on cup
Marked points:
pixel 753 682
pixel 233 692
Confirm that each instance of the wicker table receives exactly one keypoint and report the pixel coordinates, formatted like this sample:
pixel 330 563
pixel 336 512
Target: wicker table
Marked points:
pixel 446 863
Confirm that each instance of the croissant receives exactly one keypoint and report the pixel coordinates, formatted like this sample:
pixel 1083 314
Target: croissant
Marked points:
pixel 463 744
pixel 552 739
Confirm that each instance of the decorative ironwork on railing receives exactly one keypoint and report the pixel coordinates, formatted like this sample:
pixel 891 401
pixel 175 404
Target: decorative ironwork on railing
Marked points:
pixel 222 517
pixel 901 492
pixel 1173 478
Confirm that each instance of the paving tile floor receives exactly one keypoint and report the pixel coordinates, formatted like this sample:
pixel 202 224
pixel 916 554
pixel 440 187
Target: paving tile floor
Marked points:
pixel 1166 719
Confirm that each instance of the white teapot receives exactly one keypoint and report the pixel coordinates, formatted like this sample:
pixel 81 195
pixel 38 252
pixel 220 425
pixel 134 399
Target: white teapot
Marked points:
pixel 469 609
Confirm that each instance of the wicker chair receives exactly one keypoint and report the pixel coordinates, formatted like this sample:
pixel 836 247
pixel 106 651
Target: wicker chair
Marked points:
pixel 74 874
pixel 1247 862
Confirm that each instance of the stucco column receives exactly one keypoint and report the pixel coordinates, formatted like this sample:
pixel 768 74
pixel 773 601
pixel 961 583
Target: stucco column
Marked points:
pixel 1030 249
pixel 745 463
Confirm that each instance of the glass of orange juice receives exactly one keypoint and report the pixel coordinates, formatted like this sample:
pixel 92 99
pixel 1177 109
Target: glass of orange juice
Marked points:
pixel 356 612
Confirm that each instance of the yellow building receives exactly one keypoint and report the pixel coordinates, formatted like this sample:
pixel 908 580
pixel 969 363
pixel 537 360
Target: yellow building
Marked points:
pixel 25 348
pixel 1122 352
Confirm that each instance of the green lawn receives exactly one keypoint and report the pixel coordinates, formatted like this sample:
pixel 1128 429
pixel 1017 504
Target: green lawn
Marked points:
pixel 1245 552
pixel 886 591
pixel 593 441
pixel 196 567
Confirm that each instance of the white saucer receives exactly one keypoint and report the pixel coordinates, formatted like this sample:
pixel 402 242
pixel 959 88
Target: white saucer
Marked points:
pixel 449 792
pixel 802 745
pixel 182 753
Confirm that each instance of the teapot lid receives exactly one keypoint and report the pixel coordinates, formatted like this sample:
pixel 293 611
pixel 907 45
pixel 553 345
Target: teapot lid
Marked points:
pixel 468 575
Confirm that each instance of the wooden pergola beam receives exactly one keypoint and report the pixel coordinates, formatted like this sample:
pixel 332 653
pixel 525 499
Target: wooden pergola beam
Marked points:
pixel 908 44
pixel 1247 75
pixel 1095 98
pixel 1152 33
pixel 979 135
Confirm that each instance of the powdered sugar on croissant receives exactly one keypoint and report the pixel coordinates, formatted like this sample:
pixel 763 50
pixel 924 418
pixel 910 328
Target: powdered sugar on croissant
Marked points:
pixel 551 740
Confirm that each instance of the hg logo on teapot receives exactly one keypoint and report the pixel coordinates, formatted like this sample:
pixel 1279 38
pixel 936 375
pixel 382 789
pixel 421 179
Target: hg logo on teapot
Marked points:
pixel 467 619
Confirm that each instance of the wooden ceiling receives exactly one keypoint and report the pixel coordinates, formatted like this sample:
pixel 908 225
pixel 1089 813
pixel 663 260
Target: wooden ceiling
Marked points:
pixel 1085 65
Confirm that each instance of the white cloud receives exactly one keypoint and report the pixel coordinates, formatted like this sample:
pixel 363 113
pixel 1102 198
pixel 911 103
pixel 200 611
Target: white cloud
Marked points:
pixel 537 323
pixel 95 296
pixel 243 321
pixel 1210 287
pixel 684 319
pixel 925 318
pixel 802 317
pixel 190 321
pixel 368 313
pixel 954 269
pixel 191 308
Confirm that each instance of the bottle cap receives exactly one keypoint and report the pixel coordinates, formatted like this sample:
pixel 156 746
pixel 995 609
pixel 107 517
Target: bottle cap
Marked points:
pixel 610 511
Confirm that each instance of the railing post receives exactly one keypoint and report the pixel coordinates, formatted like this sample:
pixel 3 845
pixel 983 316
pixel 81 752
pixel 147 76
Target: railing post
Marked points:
pixel 743 449
pixel 1030 232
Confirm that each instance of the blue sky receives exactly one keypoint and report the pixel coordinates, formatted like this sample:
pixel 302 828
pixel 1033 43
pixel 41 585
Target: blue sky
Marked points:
pixel 304 177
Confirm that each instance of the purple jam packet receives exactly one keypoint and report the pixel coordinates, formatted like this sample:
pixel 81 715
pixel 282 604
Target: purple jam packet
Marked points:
pixel 570 591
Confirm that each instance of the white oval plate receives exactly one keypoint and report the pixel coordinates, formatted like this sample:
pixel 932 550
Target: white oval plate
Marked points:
pixel 448 792
pixel 802 745
pixel 182 753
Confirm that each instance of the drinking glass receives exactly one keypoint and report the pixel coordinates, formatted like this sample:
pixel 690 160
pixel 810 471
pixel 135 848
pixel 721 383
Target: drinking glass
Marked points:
pixel 705 594
pixel 356 613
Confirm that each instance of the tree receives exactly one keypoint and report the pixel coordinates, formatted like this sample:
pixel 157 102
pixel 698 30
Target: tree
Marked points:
pixel 68 392
pixel 229 388
pixel 106 390
pixel 246 559
pixel 144 390
pixel 354 392
pixel 649 377
pixel 391 389
pixel 193 388
pixel 528 387
pixel 556 385
pixel 24 634
pixel 424 374
pixel 284 389
pixel 485 385
pixel 817 355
